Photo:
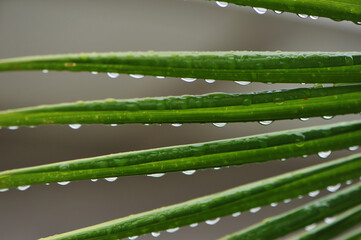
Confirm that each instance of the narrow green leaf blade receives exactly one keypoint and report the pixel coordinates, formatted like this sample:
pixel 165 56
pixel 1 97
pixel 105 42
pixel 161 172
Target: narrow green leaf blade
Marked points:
pixel 334 9
pixel 353 235
pixel 283 224
pixel 282 67
pixel 216 107
pixel 328 231
pixel 238 151
pixel 241 198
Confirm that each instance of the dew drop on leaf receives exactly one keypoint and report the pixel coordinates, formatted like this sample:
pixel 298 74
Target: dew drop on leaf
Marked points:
pixel 278 12
pixel 94 180
pixel 111 179
pixel 310 227
pixel 274 204
pixel 353 148
pixel 265 123
pixel 176 124
pixel 313 17
pixel 243 83
pixel 193 225
pixel 136 76
pixel 45 71
pixel 23 188
pixel 113 75
pixel 189 79
pixel 237 214
pixel 327 117
pixel 314 193
pixel 172 230
pixel 64 183
pixel 4 190
pixel 74 126
pixel 287 200
pixel 324 154
pixel 160 77
pixel 303 16
pixel 334 188
pixel 189 172
pixel 329 220
pixel 209 80
pixel 94 73
pixel 155 234
pixel 13 128
pixel 156 175
pixel 254 210
pixel 219 124
pixel 304 119
pixel 222 4
pixel 132 238
pixel 260 10
pixel 213 221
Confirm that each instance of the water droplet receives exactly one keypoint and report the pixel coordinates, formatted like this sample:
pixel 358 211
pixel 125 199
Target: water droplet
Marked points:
pixel 23 188
pixel 94 73
pixel 219 124
pixel 132 238
pixel 216 168
pixel 324 154
pixel 329 220
pixel 334 188
pixel 348 182
pixel 75 126
pixel 156 175
pixel 303 16
pixel 304 119
pixel 136 76
pixel 287 200
pixel 213 221
pixel 254 210
pixel 94 180
pixel 260 10
pixel 300 197
pixel 113 75
pixel 314 193
pixel 160 77
pixel 327 117
pixel 155 234
pixel 243 83
pixel 113 125
pixel 274 204
pixel 111 179
pixel 353 148
pixel 4 189
pixel 310 227
pixel 313 17
pixel 47 184
pixel 45 71
pixel 176 124
pixel 189 172
pixel 304 156
pixel 237 214
pixel 64 183
pixel 265 123
pixel 13 128
pixel 193 225
pixel 222 4
pixel 278 12
pixel 189 79
pixel 283 159
pixel 209 80
pixel 172 230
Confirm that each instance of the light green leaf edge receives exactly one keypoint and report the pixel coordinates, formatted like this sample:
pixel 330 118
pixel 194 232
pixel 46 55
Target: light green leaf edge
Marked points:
pixel 237 199
pixel 238 151
pixel 326 231
pixel 276 67
pixel 353 235
pixel 337 10
pixel 216 107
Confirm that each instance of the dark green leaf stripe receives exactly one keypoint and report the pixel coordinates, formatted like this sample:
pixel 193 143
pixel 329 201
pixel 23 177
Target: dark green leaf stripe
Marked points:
pixel 241 198
pixel 216 107
pixel 287 67
pixel 328 231
pixel 281 225
pixel 239 151
pixel 334 9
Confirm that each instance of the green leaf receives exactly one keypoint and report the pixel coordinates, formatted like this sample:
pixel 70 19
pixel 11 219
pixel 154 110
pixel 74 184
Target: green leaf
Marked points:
pixel 353 235
pixel 238 151
pixel 281 225
pixel 282 67
pixel 217 107
pixel 335 9
pixel 241 198
pixel 328 231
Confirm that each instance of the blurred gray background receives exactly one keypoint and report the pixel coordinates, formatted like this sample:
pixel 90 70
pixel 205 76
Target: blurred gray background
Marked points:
pixel 49 27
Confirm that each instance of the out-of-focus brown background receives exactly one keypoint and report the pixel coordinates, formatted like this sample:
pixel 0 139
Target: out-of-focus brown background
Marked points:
pixel 47 27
